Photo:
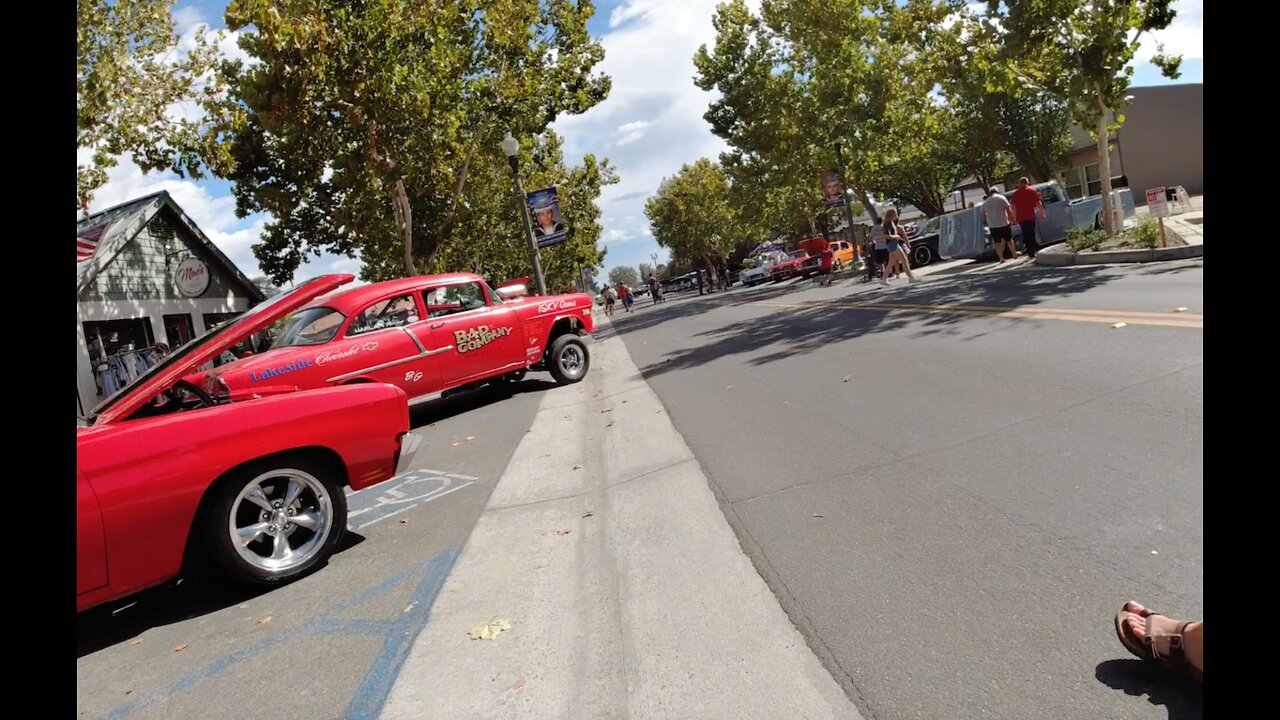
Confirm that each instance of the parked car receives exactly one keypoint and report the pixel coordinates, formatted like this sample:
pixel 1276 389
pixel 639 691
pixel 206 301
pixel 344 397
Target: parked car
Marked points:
pixel 172 475
pixel 963 234
pixel 760 273
pixel 788 268
pixel 426 335
pixel 842 254
pixel 924 246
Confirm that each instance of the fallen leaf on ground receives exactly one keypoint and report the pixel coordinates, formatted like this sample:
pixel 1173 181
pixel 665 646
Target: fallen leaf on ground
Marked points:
pixel 265 620
pixel 847 378
pixel 624 402
pixel 606 410
pixel 490 631
pixel 519 684
pixel 818 516
pixel 1153 552
pixel 129 691
pixel 182 647
pixel 456 444
pixel 410 606
pixel 609 425
pixel 577 467
pixel 588 513
pixel 470 438
pixel 562 531
pixel 727 387
pixel 1119 325
pixel 137 641
pixel 1181 309
pixel 404 521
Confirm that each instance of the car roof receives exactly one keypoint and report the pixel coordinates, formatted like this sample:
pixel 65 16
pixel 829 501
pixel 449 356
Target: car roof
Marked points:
pixel 357 297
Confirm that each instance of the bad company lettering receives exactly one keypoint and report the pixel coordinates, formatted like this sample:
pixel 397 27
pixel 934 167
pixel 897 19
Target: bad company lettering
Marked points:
pixel 477 337
pixel 282 370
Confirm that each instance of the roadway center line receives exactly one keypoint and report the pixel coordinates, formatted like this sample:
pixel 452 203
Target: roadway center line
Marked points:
pixel 1095 316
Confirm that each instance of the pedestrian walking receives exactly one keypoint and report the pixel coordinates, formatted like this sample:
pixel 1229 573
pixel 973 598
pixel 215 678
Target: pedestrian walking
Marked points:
pixel 880 251
pixel 655 289
pixel 1026 200
pixel 826 266
pixel 896 243
pixel 610 297
pixel 623 293
pixel 998 213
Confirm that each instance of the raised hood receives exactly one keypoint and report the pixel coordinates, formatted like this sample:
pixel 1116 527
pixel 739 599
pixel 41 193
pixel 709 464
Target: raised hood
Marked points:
pixel 184 360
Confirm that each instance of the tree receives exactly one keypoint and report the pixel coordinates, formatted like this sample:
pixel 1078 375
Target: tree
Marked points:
pixel 132 84
pixel 365 120
pixel 267 287
pixel 1080 50
pixel 692 215
pixel 1038 132
pixel 645 270
pixel 624 275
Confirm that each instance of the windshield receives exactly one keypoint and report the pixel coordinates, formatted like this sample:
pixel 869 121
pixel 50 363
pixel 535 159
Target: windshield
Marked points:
pixel 309 326
pixel 798 254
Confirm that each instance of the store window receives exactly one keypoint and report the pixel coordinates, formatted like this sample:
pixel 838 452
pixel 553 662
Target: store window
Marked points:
pixel 392 312
pixel 178 330
pixel 454 299
pixel 118 351
pixel 1082 181
pixel 1093 176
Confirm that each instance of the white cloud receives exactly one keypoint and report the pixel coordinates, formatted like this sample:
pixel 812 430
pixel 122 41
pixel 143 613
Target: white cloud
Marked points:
pixel 1185 36
pixel 625 12
pixel 631 132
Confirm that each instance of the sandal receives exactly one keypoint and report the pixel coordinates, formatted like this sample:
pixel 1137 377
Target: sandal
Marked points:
pixel 1166 650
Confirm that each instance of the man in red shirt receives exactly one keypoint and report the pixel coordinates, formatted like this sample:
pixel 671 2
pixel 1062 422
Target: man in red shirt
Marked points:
pixel 1025 201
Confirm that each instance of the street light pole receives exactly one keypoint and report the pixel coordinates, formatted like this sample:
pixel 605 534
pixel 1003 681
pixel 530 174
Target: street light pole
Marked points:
pixel 511 147
pixel 844 190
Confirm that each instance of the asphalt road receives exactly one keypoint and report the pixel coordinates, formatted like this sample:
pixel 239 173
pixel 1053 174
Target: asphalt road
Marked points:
pixel 952 486
pixel 330 645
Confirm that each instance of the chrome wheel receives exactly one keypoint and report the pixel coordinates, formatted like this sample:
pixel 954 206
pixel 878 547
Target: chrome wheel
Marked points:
pixel 281 519
pixel 571 360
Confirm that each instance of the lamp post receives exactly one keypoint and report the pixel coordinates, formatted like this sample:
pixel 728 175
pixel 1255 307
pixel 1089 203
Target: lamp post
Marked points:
pixel 511 147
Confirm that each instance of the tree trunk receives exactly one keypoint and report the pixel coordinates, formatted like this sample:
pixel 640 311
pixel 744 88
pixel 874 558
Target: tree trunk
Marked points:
pixel 404 225
pixel 1104 166
pixel 446 227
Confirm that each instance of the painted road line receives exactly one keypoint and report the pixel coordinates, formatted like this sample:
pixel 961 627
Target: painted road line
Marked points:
pixel 1168 320
pixel 397 635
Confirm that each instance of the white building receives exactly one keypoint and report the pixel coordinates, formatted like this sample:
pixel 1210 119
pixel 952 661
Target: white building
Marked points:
pixel 145 274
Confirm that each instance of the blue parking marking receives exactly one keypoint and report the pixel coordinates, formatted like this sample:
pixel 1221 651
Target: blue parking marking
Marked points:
pixel 401 493
pixel 398 636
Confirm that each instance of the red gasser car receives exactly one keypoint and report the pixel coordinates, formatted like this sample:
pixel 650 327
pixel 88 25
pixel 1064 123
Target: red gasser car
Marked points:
pixel 427 335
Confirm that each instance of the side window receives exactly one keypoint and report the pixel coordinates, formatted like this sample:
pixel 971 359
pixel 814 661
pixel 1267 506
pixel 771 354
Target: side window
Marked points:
pixel 1051 194
pixel 454 299
pixel 389 313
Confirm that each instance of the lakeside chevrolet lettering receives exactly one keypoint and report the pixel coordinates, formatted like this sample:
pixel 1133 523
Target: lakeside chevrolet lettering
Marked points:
pixel 282 370
pixel 330 355
pixel 477 337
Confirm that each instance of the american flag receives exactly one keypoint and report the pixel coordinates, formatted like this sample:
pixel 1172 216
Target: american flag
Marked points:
pixel 87 243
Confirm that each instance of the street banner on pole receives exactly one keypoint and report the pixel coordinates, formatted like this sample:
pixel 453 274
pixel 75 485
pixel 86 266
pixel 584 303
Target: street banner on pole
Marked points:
pixel 548 226
pixel 832 189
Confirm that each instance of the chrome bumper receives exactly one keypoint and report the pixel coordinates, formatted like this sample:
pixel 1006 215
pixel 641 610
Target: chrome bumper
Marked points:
pixel 408 448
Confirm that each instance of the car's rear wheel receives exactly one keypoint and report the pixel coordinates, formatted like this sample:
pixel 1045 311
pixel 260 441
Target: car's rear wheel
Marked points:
pixel 922 255
pixel 568 359
pixel 275 521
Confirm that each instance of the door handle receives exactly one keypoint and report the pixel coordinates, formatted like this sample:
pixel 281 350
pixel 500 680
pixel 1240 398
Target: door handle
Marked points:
pixel 436 326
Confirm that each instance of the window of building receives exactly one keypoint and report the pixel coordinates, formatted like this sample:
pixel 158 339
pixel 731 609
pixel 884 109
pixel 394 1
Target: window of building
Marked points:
pixel 1082 181
pixel 454 299
pixel 392 312
pixel 1093 176
pixel 111 345
pixel 178 330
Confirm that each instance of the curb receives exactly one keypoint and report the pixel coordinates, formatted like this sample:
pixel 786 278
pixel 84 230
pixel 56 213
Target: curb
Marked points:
pixel 1051 257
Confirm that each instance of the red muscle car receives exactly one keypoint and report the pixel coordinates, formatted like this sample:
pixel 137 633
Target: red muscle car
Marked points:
pixel 788 268
pixel 426 335
pixel 170 475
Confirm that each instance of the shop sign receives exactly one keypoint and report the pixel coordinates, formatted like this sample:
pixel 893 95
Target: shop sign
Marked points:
pixel 192 277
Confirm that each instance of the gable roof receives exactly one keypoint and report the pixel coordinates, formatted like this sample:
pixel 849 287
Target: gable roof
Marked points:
pixel 101 236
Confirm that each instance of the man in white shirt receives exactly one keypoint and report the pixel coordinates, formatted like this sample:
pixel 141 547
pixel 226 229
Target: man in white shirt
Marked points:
pixel 998 213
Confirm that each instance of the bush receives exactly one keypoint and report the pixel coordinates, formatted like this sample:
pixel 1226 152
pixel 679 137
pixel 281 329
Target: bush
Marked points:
pixel 1080 239
pixel 1146 233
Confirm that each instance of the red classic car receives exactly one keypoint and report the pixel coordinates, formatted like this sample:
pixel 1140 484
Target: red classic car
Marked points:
pixel 426 335
pixel 788 268
pixel 170 476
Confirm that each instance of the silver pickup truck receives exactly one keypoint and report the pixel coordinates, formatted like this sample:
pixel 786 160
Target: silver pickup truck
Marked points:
pixel 963 234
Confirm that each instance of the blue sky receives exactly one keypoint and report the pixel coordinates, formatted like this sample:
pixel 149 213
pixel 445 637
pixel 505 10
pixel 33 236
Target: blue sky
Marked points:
pixel 648 127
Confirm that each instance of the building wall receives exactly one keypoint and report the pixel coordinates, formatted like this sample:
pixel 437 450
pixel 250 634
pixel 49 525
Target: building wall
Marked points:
pixel 141 272
pixel 139 284
pixel 1162 140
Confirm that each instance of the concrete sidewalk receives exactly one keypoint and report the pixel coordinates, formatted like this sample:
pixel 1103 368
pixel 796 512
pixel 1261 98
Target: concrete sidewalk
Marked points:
pixel 627 593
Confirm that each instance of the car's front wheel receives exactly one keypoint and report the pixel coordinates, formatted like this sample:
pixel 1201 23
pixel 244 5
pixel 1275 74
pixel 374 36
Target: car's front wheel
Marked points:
pixel 275 520
pixel 922 255
pixel 568 359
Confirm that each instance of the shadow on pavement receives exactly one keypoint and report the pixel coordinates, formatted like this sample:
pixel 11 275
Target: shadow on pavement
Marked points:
pixel 431 412
pixel 173 602
pixel 794 331
pixel 1184 699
